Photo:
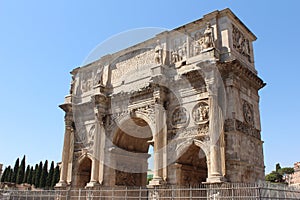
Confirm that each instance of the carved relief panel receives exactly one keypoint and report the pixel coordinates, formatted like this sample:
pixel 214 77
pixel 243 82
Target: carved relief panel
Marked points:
pixel 241 43
pixel 84 137
pixel 179 49
pixel 180 117
pixel 200 113
pixel 248 113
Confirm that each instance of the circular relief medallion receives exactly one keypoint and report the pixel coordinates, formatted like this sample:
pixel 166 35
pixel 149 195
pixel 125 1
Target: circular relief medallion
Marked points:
pixel 248 113
pixel 201 113
pixel 180 117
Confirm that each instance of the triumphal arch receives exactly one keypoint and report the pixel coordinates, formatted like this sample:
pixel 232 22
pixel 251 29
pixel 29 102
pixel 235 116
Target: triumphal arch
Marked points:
pixel 190 93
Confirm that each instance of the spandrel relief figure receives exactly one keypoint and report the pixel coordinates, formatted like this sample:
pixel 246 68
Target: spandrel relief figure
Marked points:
pixel 158 53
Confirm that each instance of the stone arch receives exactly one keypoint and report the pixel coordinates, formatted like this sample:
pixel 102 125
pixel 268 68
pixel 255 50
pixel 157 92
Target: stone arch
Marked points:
pixel 83 171
pixel 131 141
pixel 192 162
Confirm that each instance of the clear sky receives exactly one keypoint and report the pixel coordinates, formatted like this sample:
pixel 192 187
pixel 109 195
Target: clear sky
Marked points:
pixel 42 41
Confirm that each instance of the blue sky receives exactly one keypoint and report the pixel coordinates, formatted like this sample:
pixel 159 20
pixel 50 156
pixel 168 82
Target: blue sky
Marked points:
pixel 42 41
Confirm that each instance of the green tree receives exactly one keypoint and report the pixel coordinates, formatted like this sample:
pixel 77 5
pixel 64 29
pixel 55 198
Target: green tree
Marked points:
pixel 44 175
pixel 55 178
pixel 274 177
pixel 38 175
pixel 29 177
pixel 50 175
pixel 4 175
pixel 34 174
pixel 21 171
pixel 10 174
pixel 277 167
pixel 15 171
pixel 27 171
pixel 286 170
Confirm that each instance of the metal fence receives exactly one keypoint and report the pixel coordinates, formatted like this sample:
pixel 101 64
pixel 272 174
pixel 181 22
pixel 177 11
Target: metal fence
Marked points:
pixel 209 191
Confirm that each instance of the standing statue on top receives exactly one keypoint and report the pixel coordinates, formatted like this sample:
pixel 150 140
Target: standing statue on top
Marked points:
pixel 158 53
pixel 208 40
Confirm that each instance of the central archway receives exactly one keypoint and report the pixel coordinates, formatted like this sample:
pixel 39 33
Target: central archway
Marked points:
pixel 191 167
pixel 132 141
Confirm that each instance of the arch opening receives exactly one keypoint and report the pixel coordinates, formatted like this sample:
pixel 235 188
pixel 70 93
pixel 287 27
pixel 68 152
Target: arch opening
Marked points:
pixel 191 167
pixel 132 141
pixel 83 175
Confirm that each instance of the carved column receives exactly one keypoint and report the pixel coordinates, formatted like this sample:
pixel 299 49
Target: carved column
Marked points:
pixel 96 155
pixel 67 145
pixel 99 139
pixel 160 140
pixel 214 85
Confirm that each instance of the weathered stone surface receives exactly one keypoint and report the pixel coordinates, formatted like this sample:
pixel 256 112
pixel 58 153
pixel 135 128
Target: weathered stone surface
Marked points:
pixel 192 96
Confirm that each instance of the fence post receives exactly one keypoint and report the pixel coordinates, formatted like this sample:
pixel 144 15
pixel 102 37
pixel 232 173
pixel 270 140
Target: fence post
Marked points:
pixel 140 193
pixel 172 192
pixel 191 192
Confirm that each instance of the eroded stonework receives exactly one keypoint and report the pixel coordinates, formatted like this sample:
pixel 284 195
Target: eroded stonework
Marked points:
pixel 191 93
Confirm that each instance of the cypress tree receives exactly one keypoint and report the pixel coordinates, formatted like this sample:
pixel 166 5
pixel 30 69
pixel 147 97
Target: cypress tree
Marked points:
pixel 38 175
pixel 4 175
pixel 9 174
pixel 15 171
pixel 44 175
pixel 34 174
pixel 26 174
pixel 29 177
pixel 55 178
pixel 21 171
pixel 50 175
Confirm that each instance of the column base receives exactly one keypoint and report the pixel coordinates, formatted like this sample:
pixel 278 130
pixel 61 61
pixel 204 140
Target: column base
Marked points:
pixel 61 185
pixel 216 179
pixel 156 181
pixel 92 184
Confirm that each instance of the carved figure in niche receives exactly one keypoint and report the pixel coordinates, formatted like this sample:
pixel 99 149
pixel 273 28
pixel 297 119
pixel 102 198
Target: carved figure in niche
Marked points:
pixel 158 53
pixel 201 112
pixel 179 117
pixel 208 37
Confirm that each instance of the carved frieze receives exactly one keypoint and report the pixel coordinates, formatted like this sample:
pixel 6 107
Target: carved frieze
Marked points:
pixel 197 132
pixel 200 113
pixel 236 125
pixel 180 117
pixel 240 43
